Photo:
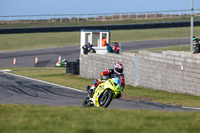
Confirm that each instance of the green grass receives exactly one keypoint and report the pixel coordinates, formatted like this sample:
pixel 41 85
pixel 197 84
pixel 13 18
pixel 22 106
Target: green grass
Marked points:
pixel 74 23
pixel 50 119
pixel 160 96
pixel 58 76
pixel 11 42
pixel 173 48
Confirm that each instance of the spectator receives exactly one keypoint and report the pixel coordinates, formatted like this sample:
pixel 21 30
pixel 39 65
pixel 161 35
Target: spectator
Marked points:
pixel 195 39
pixel 196 46
pixel 85 49
pixel 116 48
pixel 109 49
pixel 104 42
pixel 91 49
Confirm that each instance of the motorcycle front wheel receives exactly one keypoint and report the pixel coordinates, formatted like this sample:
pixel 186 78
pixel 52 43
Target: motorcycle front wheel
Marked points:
pixel 106 99
pixel 87 103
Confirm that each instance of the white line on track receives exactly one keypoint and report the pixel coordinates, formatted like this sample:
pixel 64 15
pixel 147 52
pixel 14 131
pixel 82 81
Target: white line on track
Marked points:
pixel 190 108
pixel 43 82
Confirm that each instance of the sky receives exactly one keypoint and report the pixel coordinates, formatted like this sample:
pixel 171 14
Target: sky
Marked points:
pixel 40 7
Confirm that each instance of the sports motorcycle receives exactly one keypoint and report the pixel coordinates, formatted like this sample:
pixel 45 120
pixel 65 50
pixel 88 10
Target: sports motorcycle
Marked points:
pixel 103 94
pixel 63 63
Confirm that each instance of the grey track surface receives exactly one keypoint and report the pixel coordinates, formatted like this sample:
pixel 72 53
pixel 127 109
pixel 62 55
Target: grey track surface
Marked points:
pixel 18 90
pixel 49 57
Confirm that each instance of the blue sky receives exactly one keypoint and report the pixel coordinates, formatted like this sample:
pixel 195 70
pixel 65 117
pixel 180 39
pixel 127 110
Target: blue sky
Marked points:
pixel 37 7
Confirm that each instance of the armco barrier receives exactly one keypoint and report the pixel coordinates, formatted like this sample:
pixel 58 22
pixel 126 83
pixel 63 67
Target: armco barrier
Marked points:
pixel 98 27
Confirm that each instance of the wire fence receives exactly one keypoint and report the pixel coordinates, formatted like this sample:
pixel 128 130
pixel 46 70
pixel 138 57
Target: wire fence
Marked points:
pixel 98 17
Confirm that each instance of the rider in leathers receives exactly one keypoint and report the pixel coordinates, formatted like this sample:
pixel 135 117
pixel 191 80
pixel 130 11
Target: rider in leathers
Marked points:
pixel 111 73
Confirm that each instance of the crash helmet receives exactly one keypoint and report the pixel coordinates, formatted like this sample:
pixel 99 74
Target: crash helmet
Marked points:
pixel 115 44
pixel 118 68
pixel 195 41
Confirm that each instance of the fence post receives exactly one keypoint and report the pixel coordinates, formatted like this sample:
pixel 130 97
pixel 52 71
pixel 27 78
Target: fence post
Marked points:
pixel 61 18
pixel 120 16
pixel 52 16
pixel 162 14
pixel 179 13
pixel 137 16
pixel 145 15
pixel 129 16
pixel 136 72
pixel 171 13
pixel 35 17
pixel 69 18
pixel 196 12
pixel 78 17
pixel 86 17
pixel 1 19
pixel 44 18
pixel 112 17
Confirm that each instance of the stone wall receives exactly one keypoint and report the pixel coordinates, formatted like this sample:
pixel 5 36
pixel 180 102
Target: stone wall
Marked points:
pixel 168 70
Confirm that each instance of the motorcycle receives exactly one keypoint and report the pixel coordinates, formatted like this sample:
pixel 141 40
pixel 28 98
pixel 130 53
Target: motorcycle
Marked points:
pixel 103 94
pixel 63 63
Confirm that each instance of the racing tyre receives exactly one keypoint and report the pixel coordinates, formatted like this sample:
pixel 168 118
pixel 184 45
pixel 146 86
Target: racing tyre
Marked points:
pixel 87 103
pixel 106 99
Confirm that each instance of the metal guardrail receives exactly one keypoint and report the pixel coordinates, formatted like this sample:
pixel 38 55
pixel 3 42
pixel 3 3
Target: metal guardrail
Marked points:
pixel 97 17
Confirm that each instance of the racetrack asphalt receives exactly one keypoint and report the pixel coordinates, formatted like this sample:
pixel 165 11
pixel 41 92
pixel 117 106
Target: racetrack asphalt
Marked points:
pixel 16 89
pixel 48 57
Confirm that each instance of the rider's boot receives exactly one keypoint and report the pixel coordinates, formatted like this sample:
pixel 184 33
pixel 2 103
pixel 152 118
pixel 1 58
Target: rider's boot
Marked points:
pixel 91 91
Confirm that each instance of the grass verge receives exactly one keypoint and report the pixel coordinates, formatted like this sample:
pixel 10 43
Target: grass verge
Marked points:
pixel 173 48
pixel 50 119
pixel 58 76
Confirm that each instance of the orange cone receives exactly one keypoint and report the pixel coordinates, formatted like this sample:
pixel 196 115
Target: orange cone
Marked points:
pixel 14 61
pixel 59 59
pixel 36 60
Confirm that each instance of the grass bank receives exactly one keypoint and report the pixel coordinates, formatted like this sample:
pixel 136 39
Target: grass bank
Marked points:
pixel 11 42
pixel 58 76
pixel 173 48
pixel 49 119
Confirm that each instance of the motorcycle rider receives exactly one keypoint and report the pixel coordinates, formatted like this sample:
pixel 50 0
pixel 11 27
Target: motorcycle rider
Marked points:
pixel 111 73
pixel 196 46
